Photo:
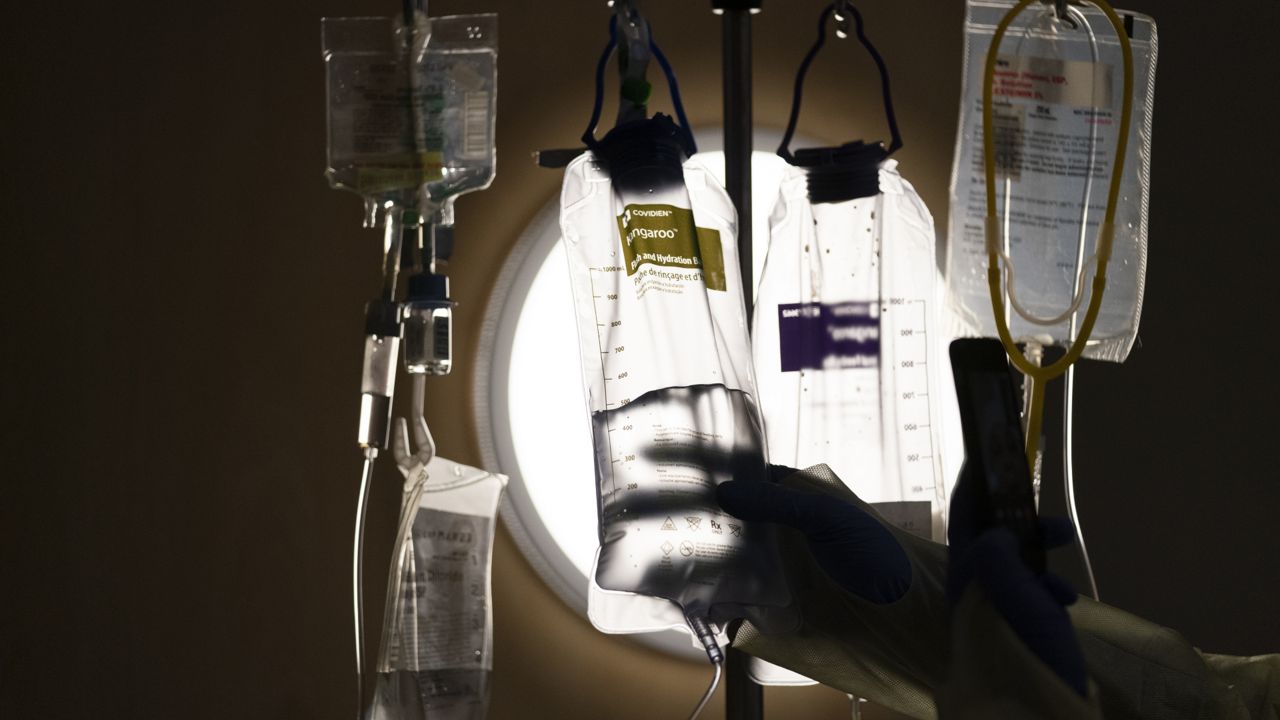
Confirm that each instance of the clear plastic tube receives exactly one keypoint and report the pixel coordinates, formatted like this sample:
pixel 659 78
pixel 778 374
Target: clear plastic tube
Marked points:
pixel 1078 20
pixel 357 574
pixel 1068 475
pixel 1068 413
pixel 404 545
pixel 711 690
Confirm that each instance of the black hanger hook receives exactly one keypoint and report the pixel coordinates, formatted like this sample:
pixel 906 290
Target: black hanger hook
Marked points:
pixel 842 10
pixel 589 135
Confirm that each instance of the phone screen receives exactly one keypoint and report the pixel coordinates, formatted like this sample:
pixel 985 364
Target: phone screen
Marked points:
pixel 994 445
pixel 1004 458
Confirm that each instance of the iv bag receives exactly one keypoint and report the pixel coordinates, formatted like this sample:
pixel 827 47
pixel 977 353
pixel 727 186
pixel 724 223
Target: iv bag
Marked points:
pixel 845 348
pixel 1057 99
pixel 411 109
pixel 651 241
pixel 437 637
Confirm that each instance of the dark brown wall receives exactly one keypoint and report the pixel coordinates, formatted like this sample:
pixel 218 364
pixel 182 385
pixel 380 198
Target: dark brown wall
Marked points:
pixel 182 315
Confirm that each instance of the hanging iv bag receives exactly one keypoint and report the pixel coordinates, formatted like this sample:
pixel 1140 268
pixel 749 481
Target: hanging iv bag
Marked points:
pixel 651 241
pixel 844 341
pixel 437 635
pixel 1057 95
pixel 411 108
pixel 846 354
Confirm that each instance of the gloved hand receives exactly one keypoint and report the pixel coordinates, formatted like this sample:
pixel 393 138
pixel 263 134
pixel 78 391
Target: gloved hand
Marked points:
pixel 855 549
pixel 1033 606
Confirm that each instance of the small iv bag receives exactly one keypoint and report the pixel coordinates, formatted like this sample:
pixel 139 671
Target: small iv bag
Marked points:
pixel 1057 102
pixel 437 637
pixel 411 108
pixel 411 121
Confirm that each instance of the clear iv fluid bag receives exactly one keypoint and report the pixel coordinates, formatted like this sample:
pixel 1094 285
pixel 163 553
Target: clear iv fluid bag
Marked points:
pixel 437 641
pixel 667 372
pixel 845 347
pixel 1056 112
pixel 411 110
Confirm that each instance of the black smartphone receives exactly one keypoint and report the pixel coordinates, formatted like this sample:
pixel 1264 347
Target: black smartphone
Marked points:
pixel 994 446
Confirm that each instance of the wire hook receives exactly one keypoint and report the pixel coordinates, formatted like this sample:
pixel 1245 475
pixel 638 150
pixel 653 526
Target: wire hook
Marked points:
pixel 842 12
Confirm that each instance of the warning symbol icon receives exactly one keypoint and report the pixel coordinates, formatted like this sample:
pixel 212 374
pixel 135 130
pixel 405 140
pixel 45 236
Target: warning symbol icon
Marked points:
pixel 669 525
pixel 667 548
pixel 735 529
pixel 686 548
pixel 694 523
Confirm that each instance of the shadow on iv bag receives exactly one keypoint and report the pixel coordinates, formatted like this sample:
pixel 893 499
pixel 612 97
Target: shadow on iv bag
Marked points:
pixel 662 533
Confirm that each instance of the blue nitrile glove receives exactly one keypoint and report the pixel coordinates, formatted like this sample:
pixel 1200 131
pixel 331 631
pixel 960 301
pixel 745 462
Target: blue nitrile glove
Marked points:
pixel 851 546
pixel 1033 606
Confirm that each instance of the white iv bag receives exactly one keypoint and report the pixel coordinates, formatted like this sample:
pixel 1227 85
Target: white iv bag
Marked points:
pixel 844 332
pixel 667 369
pixel 845 347
pixel 1057 95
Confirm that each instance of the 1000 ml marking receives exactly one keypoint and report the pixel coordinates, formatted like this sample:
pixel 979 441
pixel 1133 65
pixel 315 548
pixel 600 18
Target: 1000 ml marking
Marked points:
pixel 911 347
pixel 604 354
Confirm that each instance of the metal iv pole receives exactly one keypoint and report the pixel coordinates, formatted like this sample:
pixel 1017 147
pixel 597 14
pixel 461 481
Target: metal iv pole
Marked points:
pixel 744 699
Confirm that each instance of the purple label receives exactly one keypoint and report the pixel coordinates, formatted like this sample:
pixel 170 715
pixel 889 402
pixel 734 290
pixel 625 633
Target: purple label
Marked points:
pixel 818 336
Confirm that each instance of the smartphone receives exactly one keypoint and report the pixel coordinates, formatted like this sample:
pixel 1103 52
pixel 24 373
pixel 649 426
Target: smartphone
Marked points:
pixel 994 446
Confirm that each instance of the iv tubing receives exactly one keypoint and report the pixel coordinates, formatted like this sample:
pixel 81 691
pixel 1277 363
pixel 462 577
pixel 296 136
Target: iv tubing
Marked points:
pixel 392 239
pixel 1068 469
pixel 357 574
pixel 414 486
pixel 403 543
pixel 1068 410
pixel 1078 20
pixel 702 630
pixel 711 690
pixel 1038 376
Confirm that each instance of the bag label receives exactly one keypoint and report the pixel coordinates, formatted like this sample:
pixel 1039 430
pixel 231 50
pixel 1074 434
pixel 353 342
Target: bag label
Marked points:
pixel 1051 80
pixel 444 594
pixel 664 235
pixel 826 336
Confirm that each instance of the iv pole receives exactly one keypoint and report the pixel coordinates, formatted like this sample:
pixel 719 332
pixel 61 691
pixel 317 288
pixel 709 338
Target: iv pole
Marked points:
pixel 744 699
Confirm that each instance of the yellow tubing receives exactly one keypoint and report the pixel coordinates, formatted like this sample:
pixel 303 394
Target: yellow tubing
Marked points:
pixel 1036 375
